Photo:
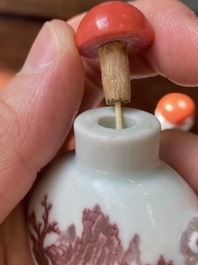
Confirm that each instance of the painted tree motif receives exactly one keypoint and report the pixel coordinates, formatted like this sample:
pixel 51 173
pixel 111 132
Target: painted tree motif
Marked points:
pixel 99 243
pixel 39 232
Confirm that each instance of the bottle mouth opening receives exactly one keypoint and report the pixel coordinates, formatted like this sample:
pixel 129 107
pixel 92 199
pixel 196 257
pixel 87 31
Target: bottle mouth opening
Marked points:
pixel 110 123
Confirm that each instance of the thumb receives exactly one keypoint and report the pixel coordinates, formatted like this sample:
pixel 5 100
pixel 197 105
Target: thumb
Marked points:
pixel 37 108
pixel 179 149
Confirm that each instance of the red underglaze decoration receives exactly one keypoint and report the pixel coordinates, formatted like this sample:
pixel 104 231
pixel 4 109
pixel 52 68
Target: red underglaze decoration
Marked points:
pixel 189 242
pixel 113 21
pixel 99 237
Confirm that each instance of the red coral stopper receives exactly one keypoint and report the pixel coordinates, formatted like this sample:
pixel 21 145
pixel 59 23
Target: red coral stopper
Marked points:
pixel 176 108
pixel 113 21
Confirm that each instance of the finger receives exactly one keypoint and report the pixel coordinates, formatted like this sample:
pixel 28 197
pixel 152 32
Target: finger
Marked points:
pixel 180 150
pixel 75 21
pixel 15 238
pixel 93 95
pixel 173 53
pixel 37 108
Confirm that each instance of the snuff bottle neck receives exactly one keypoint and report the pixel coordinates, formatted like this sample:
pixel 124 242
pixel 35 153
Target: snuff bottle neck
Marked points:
pixel 101 147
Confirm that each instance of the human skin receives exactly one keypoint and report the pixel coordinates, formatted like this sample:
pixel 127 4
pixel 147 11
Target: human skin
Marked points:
pixel 39 104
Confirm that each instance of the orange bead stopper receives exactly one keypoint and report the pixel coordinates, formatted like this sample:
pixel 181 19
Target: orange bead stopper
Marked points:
pixel 176 108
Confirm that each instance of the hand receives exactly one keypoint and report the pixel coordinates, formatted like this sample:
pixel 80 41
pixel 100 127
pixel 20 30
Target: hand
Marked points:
pixel 39 104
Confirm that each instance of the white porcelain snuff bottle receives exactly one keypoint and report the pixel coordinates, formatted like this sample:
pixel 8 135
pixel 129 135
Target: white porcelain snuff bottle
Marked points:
pixel 113 201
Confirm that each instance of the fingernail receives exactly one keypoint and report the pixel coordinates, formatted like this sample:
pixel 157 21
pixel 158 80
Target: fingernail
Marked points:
pixel 43 50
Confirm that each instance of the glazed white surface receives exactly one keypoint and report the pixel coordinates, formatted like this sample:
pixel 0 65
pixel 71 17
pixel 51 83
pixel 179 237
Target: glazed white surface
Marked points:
pixel 156 205
pixel 154 202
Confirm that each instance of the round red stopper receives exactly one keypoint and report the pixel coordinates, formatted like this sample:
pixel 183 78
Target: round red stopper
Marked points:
pixel 176 108
pixel 113 21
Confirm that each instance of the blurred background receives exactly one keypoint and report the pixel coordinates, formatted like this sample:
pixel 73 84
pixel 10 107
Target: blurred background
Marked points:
pixel 20 21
